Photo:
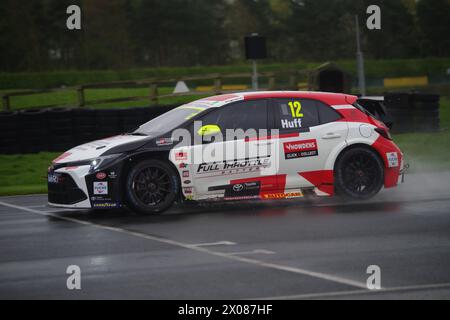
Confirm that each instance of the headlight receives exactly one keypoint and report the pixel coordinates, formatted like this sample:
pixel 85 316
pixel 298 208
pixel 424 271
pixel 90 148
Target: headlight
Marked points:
pixel 102 162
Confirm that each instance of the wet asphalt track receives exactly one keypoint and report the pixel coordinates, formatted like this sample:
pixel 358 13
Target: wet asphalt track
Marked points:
pixel 300 250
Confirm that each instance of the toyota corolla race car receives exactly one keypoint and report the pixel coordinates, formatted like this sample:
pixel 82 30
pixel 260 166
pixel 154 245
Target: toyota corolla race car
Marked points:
pixel 259 145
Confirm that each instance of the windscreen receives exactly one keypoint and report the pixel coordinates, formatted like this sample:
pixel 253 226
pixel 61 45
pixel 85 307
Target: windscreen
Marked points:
pixel 169 120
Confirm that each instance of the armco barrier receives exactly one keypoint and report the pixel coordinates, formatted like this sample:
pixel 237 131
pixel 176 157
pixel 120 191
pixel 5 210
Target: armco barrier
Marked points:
pixel 59 129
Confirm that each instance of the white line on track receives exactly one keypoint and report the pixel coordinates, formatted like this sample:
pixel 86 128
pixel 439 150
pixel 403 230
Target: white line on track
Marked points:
pixel 318 275
pixel 358 292
pixel 218 243
pixel 256 251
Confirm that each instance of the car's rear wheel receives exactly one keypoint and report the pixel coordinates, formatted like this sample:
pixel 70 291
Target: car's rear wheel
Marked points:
pixel 152 186
pixel 359 174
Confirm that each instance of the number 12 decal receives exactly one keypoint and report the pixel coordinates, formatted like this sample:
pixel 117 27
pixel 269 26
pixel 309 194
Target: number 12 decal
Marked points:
pixel 296 109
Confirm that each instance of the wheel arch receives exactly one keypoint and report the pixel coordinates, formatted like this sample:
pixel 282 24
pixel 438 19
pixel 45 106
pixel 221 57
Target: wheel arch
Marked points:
pixel 340 186
pixel 358 145
pixel 135 158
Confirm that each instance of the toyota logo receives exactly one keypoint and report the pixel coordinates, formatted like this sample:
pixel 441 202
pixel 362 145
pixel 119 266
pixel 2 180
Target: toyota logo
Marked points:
pixel 238 187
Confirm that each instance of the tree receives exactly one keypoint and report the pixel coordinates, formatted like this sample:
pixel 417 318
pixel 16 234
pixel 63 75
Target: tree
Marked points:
pixel 321 29
pixel 179 32
pixel 134 33
pixel 398 35
pixel 106 35
pixel 434 22
pixel 22 43
pixel 64 46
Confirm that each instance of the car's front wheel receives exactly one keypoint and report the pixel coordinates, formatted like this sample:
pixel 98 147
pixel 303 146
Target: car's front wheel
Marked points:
pixel 151 187
pixel 359 174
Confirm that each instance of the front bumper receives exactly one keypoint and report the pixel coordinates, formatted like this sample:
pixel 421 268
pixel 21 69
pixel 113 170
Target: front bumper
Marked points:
pixel 79 188
pixel 67 188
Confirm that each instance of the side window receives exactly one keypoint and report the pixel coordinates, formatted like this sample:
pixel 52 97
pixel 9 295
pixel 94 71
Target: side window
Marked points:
pixel 211 117
pixel 241 115
pixel 244 115
pixel 295 114
pixel 327 114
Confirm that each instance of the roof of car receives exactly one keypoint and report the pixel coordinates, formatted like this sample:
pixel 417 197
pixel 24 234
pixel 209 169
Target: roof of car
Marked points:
pixel 328 98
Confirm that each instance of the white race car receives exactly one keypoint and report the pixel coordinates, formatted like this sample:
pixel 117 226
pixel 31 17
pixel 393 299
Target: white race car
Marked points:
pixel 257 145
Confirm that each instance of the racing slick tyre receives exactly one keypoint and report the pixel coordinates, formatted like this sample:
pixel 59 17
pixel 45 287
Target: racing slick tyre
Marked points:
pixel 359 174
pixel 152 186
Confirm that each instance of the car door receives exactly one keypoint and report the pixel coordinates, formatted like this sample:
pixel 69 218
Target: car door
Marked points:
pixel 309 132
pixel 233 164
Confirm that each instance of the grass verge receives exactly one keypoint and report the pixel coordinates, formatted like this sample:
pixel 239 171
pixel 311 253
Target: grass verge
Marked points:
pixel 24 174
pixel 427 152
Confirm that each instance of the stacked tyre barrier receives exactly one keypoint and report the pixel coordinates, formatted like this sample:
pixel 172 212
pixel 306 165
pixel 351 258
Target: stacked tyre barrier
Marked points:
pixel 413 112
pixel 9 140
pixel 60 129
pixel 84 126
pixel 426 112
pixel 131 120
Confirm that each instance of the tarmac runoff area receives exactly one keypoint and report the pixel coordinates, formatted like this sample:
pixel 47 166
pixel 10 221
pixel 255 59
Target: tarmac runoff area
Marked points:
pixel 302 249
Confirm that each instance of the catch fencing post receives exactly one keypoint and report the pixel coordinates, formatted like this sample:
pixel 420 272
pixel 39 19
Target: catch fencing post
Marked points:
pixel 293 83
pixel 6 103
pixel 218 85
pixel 255 75
pixel 272 81
pixel 154 93
pixel 81 98
pixel 360 60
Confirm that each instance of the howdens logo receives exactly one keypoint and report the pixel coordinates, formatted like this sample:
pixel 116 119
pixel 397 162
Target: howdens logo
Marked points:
pixel 300 149
pixel 306 145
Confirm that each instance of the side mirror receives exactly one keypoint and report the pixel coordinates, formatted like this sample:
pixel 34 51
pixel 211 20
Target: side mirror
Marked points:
pixel 209 130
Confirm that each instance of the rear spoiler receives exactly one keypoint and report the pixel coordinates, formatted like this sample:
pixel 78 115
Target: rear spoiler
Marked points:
pixel 375 106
